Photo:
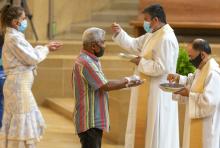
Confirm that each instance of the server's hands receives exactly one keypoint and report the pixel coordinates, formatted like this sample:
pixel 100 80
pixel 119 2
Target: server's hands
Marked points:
pixel 183 92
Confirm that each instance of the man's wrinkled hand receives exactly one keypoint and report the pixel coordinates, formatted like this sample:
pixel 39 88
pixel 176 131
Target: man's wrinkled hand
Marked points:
pixel 134 83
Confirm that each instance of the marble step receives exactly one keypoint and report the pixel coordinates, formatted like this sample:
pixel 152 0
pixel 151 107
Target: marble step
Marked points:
pixel 115 15
pixel 63 106
pixel 74 47
pixel 118 107
pixel 124 5
pixel 81 27
pixel 60 132
pixel 67 61
pixel 71 36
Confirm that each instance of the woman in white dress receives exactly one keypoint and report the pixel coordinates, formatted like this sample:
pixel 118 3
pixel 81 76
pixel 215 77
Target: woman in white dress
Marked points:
pixel 23 124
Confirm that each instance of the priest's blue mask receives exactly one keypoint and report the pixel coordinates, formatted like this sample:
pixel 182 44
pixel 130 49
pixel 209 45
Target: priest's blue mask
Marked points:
pixel 23 26
pixel 147 27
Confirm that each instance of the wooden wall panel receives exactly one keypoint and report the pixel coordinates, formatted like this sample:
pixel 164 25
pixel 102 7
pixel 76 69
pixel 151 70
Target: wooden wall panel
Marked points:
pixel 188 10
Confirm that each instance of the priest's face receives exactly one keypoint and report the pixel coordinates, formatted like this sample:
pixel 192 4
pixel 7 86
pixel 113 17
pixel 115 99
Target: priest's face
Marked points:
pixel 147 18
pixel 152 21
pixel 192 53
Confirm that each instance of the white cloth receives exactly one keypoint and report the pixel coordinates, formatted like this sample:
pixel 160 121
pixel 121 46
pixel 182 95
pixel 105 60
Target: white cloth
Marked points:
pixel 22 124
pixel 162 123
pixel 204 105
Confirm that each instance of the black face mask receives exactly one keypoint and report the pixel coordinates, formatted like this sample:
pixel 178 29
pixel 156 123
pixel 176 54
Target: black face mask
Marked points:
pixel 100 53
pixel 196 61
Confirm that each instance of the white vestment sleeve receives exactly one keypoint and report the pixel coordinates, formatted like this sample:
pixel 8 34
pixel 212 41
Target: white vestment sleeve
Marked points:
pixel 133 45
pixel 187 81
pixel 183 79
pixel 162 59
pixel 26 53
pixel 203 104
pixel 180 99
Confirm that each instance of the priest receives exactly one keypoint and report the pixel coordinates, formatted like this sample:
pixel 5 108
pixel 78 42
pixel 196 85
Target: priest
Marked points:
pixel 153 115
pixel 202 98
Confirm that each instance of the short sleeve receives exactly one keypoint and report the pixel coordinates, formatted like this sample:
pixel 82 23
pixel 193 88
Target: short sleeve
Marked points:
pixel 94 75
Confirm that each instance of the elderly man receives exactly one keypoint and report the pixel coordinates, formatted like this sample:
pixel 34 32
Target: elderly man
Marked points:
pixel 202 98
pixel 91 86
pixel 158 53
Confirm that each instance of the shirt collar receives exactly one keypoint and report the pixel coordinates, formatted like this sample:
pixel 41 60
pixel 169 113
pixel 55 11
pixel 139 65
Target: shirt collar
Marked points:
pixel 90 55
pixel 165 28
pixel 14 31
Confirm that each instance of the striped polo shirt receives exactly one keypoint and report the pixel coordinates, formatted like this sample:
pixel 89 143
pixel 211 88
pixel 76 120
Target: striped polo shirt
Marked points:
pixel 91 108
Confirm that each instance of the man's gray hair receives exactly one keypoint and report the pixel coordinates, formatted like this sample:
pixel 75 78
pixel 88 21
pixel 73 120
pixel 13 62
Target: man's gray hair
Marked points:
pixel 93 34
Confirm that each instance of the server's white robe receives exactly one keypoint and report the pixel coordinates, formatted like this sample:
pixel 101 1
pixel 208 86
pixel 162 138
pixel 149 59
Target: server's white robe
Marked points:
pixel 205 105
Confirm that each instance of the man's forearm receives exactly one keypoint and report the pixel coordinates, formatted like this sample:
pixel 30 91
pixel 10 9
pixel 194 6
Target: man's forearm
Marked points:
pixel 114 85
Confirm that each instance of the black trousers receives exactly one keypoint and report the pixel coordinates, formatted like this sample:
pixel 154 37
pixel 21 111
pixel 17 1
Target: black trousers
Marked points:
pixel 91 138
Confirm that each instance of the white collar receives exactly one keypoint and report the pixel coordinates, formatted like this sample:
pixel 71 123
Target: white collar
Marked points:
pixel 13 31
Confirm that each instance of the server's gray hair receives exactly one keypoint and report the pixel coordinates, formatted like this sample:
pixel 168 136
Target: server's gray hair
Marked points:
pixel 93 34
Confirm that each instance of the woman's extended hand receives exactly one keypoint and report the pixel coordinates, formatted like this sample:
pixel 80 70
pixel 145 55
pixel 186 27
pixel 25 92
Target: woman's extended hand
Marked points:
pixel 54 45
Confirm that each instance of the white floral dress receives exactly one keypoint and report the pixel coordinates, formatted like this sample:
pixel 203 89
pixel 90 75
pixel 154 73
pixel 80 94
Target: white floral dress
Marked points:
pixel 23 123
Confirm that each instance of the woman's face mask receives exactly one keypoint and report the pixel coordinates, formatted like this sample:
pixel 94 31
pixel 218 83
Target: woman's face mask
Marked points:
pixel 196 61
pixel 23 25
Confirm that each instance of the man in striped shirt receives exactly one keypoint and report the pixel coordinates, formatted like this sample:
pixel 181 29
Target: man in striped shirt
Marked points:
pixel 91 86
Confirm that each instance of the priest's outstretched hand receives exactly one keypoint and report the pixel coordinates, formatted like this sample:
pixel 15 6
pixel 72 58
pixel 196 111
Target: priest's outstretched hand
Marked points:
pixel 116 28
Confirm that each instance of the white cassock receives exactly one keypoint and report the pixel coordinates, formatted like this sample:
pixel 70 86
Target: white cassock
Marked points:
pixel 162 122
pixel 205 105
